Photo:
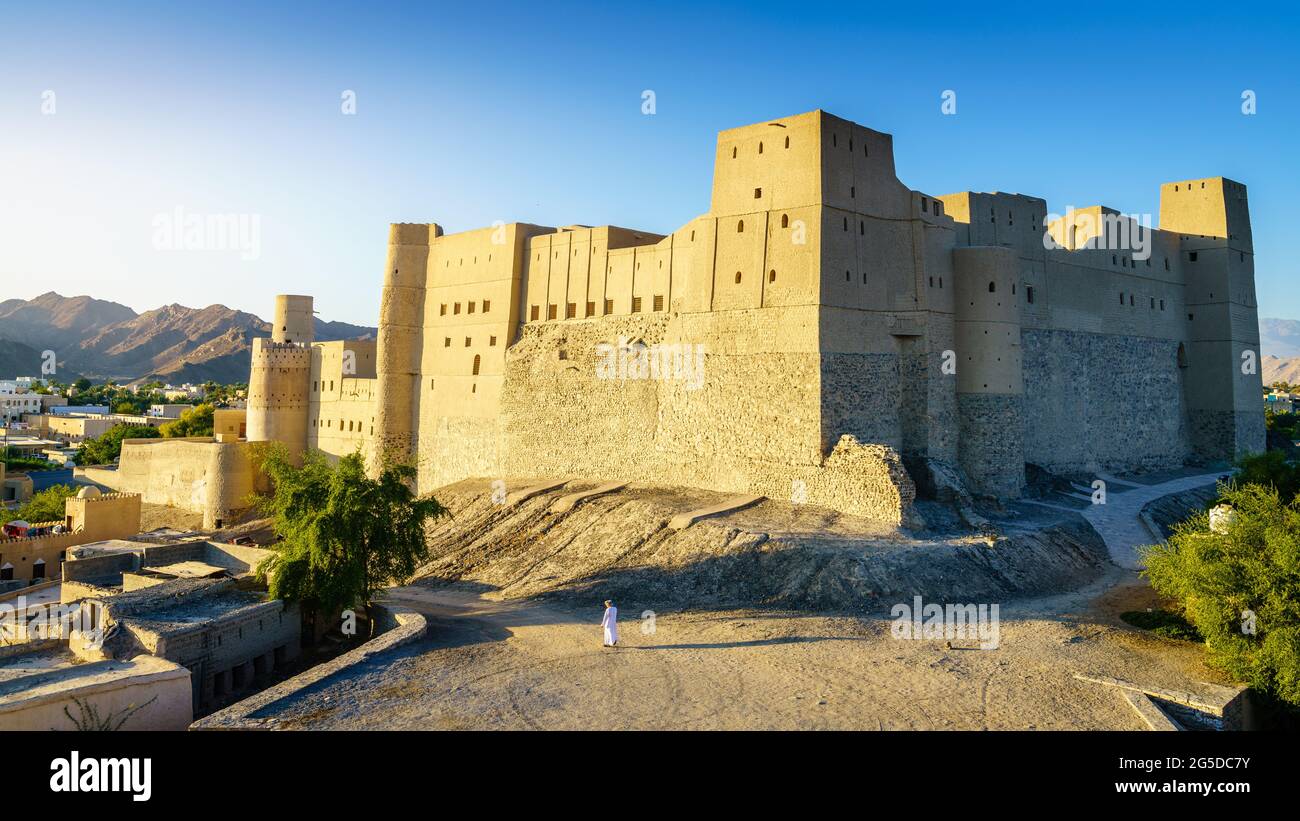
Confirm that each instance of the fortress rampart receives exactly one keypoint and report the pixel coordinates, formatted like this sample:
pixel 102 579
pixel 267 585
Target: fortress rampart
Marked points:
pixel 826 298
pixel 817 325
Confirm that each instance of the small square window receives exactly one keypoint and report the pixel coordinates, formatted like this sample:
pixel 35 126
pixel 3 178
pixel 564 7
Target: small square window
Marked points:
pixel 533 314
pixel 609 306
pixel 636 304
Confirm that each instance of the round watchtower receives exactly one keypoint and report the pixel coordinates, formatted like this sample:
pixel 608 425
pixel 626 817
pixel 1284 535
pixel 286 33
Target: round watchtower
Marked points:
pixel 293 320
pixel 400 341
pixel 280 377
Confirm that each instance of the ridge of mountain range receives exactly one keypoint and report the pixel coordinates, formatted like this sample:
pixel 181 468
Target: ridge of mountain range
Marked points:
pixel 100 340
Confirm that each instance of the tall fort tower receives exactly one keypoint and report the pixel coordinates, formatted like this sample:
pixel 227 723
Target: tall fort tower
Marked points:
pixel 840 327
pixel 280 377
pixel 1223 384
pixel 401 339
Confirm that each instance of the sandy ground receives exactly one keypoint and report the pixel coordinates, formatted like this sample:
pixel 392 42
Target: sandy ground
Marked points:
pixel 490 664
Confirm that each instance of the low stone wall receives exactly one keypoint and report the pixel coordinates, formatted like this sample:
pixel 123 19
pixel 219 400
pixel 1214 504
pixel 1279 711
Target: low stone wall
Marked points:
pixel 197 474
pixel 403 626
pixel 99 567
pixel 1160 515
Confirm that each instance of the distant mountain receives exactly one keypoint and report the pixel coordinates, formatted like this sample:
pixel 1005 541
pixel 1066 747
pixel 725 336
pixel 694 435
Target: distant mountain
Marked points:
pixel 19 359
pixel 1276 369
pixel 104 340
pixel 1279 337
pixel 50 320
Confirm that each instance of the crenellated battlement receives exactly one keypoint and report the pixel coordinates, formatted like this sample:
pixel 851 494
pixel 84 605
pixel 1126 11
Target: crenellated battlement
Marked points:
pixel 108 497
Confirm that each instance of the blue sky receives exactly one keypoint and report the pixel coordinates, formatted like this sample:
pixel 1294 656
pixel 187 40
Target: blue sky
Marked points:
pixel 471 113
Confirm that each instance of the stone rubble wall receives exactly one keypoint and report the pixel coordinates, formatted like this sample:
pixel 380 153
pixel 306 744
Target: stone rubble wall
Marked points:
pixel 1074 422
pixel 749 422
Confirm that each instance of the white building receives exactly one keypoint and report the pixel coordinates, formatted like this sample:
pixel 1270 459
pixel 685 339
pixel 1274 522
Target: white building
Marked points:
pixel 14 405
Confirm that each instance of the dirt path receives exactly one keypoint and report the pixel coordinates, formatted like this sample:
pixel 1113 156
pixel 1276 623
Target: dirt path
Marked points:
pixel 490 663
pixel 514 665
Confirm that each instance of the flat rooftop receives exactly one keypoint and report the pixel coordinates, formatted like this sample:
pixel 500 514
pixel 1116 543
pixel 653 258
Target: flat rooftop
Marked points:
pixel 183 570
pixel 59 674
pixel 35 665
pixel 181 603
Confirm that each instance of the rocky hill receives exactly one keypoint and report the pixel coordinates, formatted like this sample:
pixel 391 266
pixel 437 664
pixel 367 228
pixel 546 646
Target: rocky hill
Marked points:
pixel 102 339
pixel 1279 345
pixel 773 554
pixel 1276 369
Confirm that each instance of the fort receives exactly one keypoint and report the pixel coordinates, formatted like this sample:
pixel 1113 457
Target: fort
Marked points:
pixel 855 334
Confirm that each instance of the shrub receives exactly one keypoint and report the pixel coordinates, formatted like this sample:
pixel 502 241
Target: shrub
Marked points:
pixel 1270 469
pixel 1284 421
pixel 1251 567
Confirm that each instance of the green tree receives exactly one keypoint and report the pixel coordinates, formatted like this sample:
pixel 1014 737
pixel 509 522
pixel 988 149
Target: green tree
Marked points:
pixel 14 459
pixel 1249 568
pixel 1271 470
pixel 197 421
pixel 45 506
pixel 1284 421
pixel 82 384
pixel 104 449
pixel 346 535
